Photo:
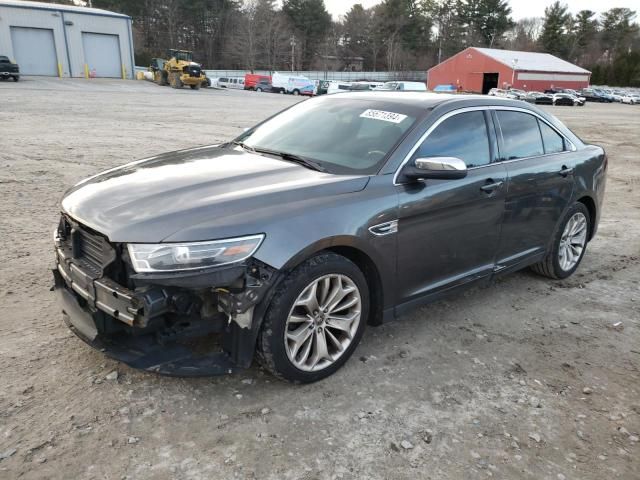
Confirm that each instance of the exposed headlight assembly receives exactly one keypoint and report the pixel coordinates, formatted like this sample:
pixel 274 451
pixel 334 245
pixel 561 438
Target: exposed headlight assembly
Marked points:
pixel 172 257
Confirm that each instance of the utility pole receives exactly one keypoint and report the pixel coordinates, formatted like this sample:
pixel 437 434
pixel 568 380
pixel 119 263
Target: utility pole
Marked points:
pixel 293 53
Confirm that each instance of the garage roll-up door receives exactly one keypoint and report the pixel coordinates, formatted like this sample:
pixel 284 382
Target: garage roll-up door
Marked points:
pixel 102 54
pixel 35 51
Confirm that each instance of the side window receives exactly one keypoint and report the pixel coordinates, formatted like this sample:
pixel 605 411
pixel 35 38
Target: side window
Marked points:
pixel 552 140
pixel 521 135
pixel 463 136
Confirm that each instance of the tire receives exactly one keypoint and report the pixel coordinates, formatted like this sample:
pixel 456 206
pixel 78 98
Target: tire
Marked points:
pixel 296 92
pixel 175 80
pixel 195 87
pixel 551 266
pixel 259 90
pixel 275 350
pixel 15 79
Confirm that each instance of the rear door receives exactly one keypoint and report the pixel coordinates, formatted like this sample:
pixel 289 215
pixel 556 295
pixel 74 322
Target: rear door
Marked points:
pixel 539 162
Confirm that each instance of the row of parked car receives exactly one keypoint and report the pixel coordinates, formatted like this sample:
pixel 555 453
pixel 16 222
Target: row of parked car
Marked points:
pixel 299 85
pixel 568 96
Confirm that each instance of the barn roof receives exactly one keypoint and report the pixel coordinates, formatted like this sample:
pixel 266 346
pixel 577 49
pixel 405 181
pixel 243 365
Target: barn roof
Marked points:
pixel 59 8
pixel 531 61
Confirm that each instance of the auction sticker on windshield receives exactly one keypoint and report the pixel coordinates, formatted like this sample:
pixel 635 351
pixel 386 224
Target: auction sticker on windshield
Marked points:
pixel 384 116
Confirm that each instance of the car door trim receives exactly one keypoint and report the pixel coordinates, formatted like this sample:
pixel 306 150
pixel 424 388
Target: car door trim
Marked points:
pixel 425 135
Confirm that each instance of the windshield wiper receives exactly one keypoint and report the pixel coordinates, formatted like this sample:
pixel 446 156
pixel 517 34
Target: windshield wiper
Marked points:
pixel 244 145
pixel 291 157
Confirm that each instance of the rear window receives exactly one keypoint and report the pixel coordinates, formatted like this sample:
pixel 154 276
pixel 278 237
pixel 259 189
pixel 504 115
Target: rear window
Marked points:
pixel 553 142
pixel 520 134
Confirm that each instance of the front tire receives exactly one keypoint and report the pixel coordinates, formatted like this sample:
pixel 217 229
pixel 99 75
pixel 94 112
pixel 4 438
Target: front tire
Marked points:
pixel 568 246
pixel 315 320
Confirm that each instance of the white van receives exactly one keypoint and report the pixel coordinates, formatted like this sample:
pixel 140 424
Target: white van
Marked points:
pixel 406 86
pixel 293 84
pixel 236 83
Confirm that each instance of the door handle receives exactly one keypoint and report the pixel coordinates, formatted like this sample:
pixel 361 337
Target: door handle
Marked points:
pixel 490 187
pixel 565 171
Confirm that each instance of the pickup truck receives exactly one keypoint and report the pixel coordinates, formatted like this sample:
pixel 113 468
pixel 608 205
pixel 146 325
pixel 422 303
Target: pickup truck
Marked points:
pixel 9 69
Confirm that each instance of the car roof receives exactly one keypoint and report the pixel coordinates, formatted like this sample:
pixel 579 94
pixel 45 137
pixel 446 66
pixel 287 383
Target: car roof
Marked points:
pixel 429 99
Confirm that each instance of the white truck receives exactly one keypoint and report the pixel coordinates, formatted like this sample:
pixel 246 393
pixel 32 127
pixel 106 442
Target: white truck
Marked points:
pixel 293 84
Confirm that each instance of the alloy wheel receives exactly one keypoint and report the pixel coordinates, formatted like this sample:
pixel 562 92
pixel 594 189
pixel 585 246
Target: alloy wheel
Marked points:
pixel 323 322
pixel 573 241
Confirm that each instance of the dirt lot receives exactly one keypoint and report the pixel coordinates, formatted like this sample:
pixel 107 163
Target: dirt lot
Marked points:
pixel 524 379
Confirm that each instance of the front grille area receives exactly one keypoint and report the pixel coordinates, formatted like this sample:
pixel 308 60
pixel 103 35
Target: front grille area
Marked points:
pixel 91 251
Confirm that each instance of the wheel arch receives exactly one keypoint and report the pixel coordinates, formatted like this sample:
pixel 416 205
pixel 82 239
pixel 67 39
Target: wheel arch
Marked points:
pixel 588 202
pixel 351 248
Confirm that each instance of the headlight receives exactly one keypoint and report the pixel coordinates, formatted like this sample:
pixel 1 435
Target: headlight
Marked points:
pixel 170 257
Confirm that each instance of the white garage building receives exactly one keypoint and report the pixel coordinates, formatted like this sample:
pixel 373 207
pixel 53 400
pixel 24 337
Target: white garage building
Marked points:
pixel 66 41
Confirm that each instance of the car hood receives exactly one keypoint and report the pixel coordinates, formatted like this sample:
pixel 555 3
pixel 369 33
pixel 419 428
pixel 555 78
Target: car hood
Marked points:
pixel 227 191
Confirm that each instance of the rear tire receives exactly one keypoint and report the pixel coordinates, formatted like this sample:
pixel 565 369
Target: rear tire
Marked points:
pixel 195 87
pixel 301 346
pixel 16 78
pixel 568 245
pixel 296 92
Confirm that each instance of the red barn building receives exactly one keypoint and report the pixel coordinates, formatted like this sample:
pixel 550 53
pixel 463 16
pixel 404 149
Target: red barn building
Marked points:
pixel 481 69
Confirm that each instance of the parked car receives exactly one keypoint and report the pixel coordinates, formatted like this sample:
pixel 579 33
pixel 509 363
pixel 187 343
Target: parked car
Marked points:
pixel 338 87
pixel 9 69
pixel 519 94
pixel 263 86
pixel 292 84
pixel 251 81
pixel 539 98
pixel 591 95
pixel 499 92
pixel 290 243
pixel 404 86
pixel 631 99
pixel 567 99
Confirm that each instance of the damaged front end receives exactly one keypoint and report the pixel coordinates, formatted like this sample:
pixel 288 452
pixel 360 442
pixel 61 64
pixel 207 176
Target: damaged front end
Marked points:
pixel 195 323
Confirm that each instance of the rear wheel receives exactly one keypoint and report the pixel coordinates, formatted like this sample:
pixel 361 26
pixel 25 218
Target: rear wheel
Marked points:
pixel 315 320
pixel 569 244
pixel 16 78
pixel 195 87
pixel 296 92
pixel 259 90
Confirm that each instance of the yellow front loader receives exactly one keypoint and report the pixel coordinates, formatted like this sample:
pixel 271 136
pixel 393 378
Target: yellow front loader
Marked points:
pixel 178 71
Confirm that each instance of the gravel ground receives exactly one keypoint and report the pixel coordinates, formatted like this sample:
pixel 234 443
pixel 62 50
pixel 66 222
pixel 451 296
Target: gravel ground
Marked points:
pixel 527 378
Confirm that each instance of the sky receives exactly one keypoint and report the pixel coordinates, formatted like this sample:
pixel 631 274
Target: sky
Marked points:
pixel 520 8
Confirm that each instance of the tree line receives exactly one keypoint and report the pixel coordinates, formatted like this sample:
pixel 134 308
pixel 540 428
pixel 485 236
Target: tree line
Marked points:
pixel 395 35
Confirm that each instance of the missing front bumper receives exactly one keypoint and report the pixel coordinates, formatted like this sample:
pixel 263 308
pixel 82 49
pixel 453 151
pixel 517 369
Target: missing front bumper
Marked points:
pixel 145 352
pixel 160 336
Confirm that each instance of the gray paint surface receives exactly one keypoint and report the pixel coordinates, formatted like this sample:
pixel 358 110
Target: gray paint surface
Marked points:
pixel 35 51
pixel 102 54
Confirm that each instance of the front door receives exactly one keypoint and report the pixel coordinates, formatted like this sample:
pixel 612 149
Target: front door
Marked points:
pixel 540 164
pixel 449 230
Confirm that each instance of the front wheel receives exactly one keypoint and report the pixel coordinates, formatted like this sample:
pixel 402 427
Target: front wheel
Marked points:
pixel 16 78
pixel 315 320
pixel 568 246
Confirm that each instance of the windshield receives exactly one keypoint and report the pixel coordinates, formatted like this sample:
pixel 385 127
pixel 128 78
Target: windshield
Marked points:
pixel 343 136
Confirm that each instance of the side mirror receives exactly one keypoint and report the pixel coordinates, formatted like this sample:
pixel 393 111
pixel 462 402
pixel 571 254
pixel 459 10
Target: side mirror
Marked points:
pixel 440 168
